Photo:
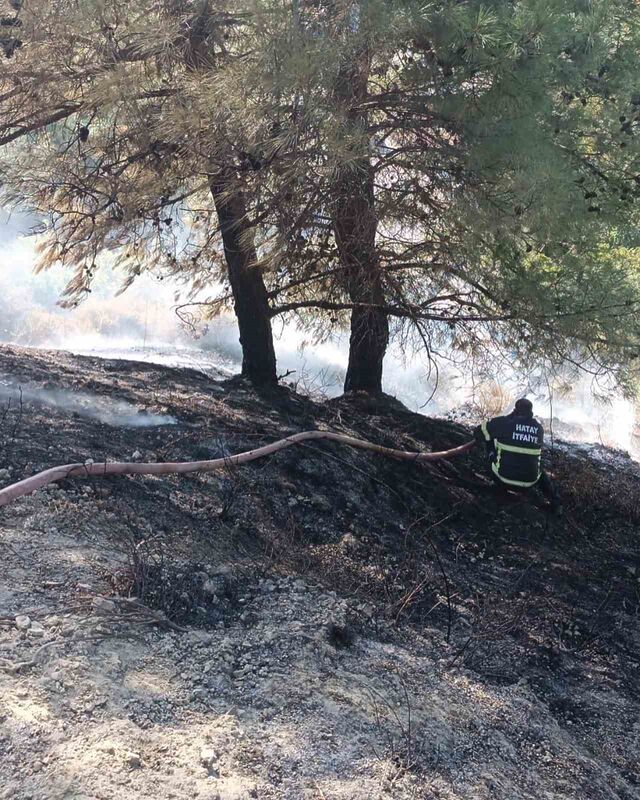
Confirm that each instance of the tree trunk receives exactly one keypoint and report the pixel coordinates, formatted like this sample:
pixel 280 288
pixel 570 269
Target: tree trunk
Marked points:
pixel 355 224
pixel 367 347
pixel 355 227
pixel 250 298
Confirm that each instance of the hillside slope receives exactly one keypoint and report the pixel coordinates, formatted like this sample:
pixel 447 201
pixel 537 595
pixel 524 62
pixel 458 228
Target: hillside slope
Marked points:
pixel 326 623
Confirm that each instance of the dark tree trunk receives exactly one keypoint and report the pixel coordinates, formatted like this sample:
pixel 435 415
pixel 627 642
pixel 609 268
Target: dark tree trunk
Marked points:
pixel 250 298
pixel 355 230
pixel 355 224
pixel 367 347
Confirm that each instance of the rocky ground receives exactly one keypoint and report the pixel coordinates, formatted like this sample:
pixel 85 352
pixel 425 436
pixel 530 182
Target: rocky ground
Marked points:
pixel 324 624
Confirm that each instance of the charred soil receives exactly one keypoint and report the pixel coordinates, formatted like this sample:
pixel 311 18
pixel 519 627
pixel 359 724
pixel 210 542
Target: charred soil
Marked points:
pixel 325 623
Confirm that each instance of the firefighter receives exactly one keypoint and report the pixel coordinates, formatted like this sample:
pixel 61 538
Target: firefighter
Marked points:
pixel 514 450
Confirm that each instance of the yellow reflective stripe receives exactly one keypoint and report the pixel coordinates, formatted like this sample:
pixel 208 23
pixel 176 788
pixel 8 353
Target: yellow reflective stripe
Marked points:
pixel 522 484
pixel 485 431
pixel 511 448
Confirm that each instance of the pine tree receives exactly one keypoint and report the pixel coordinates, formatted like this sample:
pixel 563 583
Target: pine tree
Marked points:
pixel 107 135
pixel 469 162
pixel 461 173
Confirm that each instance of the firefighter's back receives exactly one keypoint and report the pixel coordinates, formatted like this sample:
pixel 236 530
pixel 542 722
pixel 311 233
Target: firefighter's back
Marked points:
pixel 516 443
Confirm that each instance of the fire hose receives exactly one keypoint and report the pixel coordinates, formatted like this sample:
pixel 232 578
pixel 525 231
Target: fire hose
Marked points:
pixel 99 470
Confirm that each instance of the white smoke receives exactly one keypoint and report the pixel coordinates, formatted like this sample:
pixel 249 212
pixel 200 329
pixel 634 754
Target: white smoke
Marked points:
pixel 117 413
pixel 141 325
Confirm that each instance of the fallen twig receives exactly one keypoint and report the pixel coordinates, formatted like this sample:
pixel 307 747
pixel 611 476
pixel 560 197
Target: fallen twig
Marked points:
pixel 132 610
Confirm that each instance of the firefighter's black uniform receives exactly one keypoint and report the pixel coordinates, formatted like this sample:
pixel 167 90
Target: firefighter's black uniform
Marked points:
pixel 514 448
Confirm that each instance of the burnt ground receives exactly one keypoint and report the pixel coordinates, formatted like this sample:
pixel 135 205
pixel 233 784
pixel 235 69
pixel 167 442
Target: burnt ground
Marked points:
pixel 509 635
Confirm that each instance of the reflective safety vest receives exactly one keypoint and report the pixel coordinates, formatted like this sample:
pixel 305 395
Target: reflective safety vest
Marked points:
pixel 515 446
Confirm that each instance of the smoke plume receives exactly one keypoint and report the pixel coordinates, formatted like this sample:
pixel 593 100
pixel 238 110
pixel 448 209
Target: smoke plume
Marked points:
pixel 141 325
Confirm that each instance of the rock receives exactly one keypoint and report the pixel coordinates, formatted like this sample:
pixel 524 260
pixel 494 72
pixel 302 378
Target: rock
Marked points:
pixel 243 672
pixel 4 474
pixel 269 636
pixel 207 758
pixel 198 638
pixel 132 760
pixel 23 622
pixel 215 586
pixel 216 683
pixel 36 630
pixel 322 503
pixel 349 543
pixel 136 456
pixel 367 609
pixel 102 605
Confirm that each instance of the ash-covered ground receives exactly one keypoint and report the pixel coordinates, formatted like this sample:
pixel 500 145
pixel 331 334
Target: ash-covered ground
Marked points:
pixel 322 624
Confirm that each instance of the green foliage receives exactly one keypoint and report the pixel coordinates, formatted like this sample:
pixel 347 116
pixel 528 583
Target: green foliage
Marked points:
pixel 501 138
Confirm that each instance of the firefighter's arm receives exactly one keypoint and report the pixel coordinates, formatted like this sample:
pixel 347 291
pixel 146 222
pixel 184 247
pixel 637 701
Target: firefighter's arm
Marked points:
pixel 482 434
